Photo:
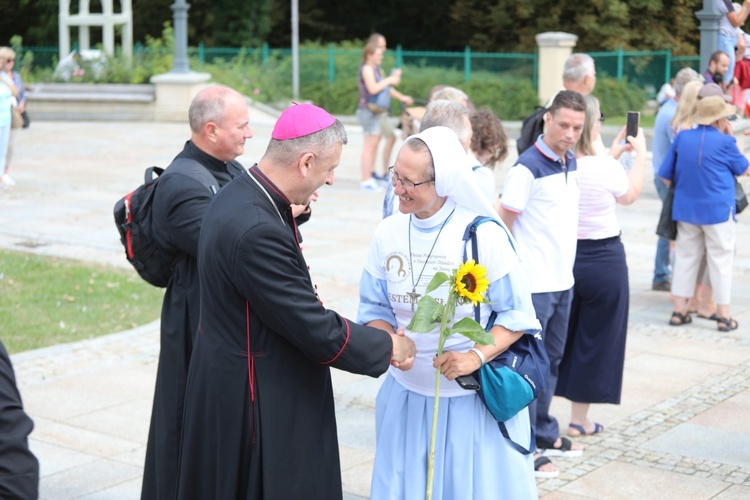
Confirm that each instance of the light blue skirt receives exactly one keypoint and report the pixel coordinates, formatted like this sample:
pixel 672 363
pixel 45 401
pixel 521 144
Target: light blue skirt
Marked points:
pixel 472 458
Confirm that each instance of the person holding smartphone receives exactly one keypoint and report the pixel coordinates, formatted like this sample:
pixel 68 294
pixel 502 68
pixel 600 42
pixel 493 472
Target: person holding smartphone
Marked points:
pixel 593 361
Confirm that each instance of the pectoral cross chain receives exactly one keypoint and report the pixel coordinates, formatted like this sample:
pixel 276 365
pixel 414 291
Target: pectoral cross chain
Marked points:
pixel 414 297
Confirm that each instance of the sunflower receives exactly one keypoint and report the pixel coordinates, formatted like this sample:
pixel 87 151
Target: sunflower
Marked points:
pixel 471 282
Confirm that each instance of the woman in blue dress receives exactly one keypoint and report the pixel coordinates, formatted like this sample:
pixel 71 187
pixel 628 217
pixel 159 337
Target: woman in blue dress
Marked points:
pixel 438 198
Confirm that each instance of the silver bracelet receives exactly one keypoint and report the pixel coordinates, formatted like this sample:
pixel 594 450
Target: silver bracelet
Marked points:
pixel 479 354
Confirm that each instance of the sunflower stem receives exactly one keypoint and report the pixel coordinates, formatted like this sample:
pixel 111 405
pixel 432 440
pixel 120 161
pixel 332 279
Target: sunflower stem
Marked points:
pixel 449 310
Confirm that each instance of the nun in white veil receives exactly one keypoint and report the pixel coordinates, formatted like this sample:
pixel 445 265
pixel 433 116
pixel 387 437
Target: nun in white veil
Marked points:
pixel 438 198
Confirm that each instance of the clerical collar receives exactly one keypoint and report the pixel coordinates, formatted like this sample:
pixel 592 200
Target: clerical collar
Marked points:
pixel 194 152
pixel 434 222
pixel 283 205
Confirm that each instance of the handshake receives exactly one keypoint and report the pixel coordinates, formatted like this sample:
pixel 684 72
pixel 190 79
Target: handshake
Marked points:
pixel 404 350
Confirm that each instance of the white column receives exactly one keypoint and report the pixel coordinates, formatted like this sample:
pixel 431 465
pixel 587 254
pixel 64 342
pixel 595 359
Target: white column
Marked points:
pixel 63 30
pixel 84 39
pixel 554 48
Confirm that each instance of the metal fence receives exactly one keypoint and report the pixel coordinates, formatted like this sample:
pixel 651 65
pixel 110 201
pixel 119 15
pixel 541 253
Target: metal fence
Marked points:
pixel 646 69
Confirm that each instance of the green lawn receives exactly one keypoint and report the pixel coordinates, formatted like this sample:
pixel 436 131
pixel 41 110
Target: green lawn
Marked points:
pixel 46 301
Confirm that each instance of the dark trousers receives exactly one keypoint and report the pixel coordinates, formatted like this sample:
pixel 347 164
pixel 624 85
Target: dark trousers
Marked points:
pixel 19 468
pixel 553 312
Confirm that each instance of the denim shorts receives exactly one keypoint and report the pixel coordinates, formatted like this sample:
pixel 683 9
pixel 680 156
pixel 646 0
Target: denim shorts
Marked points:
pixel 374 123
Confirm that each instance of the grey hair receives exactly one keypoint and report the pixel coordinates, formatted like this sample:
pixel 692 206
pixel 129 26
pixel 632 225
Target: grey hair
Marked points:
pixel 319 143
pixel 447 114
pixel 450 94
pixel 208 106
pixel 419 146
pixel 685 76
pixel 577 66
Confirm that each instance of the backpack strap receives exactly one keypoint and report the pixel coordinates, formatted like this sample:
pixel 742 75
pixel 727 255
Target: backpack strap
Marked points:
pixel 194 169
pixel 149 175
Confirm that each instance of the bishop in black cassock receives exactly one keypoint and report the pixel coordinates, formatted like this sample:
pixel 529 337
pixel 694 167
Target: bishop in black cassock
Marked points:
pixel 259 411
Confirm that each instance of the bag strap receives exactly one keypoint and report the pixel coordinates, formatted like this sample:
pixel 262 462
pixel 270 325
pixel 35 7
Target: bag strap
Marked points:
pixel 471 233
pixel 193 168
pixel 149 175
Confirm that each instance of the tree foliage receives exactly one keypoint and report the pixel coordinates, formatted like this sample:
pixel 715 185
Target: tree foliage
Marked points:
pixel 485 25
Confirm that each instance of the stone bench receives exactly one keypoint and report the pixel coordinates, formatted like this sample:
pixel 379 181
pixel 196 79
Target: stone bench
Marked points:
pixel 95 102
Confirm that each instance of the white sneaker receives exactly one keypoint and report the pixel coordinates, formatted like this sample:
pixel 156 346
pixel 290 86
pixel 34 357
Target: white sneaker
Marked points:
pixel 371 185
pixel 8 180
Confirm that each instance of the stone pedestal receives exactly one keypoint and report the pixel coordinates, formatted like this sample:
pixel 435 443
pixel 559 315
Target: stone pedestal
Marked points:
pixel 554 49
pixel 175 92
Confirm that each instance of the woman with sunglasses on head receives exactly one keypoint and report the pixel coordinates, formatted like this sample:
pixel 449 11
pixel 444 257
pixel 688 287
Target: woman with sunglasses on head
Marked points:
pixel 8 93
pixel 593 361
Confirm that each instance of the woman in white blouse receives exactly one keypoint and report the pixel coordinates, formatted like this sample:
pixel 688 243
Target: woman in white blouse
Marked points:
pixel 592 364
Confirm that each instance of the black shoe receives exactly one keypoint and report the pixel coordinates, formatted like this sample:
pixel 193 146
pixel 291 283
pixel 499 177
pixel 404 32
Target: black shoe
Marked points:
pixel 662 286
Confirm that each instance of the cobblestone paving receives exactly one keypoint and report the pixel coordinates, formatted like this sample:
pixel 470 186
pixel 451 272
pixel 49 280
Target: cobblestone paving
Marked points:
pixel 624 441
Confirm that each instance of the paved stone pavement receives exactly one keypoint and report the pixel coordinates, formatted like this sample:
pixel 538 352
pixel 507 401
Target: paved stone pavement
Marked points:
pixel 680 432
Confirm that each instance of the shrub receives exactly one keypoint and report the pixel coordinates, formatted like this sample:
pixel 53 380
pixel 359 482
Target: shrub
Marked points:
pixel 617 98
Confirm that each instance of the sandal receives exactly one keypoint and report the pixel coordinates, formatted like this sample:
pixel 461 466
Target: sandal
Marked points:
pixel 565 449
pixel 726 324
pixel 544 474
pixel 713 317
pixel 580 431
pixel 679 319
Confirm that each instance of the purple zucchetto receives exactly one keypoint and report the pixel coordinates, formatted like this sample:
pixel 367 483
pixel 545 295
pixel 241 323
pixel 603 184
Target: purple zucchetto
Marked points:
pixel 300 120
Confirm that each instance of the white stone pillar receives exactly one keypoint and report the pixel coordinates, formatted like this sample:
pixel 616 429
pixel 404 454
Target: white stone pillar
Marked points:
pixel 63 31
pixel 84 36
pixel 175 92
pixel 554 48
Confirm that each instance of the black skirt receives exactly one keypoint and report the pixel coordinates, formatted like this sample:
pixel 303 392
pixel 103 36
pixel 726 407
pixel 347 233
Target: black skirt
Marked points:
pixel 592 364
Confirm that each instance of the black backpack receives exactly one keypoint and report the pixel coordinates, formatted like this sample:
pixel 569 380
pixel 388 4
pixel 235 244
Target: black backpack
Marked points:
pixel 133 219
pixel 531 129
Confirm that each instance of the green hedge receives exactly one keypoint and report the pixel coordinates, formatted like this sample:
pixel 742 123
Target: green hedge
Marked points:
pixel 509 94
pixel 617 98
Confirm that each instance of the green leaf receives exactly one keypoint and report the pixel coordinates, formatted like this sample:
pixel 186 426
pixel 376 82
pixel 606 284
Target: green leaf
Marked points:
pixel 437 280
pixel 428 313
pixel 473 330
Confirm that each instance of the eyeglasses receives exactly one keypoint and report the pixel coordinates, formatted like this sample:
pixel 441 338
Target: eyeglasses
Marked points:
pixel 406 184
pixel 601 117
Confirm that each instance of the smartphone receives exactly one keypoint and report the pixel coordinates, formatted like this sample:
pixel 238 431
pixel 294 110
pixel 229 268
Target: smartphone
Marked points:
pixel 634 121
pixel 468 382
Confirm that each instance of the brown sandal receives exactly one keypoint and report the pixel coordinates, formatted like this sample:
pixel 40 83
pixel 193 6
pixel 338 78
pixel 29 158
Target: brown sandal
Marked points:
pixel 679 319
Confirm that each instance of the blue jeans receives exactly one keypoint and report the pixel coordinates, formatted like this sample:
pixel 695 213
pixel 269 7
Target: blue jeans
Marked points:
pixel 553 312
pixel 727 45
pixel 4 139
pixel 661 262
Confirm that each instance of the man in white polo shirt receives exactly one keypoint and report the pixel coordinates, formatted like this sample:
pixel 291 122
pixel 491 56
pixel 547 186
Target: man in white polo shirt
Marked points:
pixel 540 206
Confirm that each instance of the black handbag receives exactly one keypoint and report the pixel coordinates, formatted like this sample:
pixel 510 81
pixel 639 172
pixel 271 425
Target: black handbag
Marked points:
pixel 740 198
pixel 667 227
